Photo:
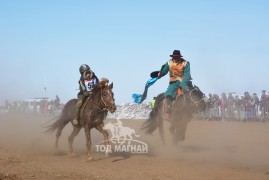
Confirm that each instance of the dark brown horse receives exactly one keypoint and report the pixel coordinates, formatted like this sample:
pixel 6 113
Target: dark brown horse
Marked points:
pixel 93 113
pixel 184 107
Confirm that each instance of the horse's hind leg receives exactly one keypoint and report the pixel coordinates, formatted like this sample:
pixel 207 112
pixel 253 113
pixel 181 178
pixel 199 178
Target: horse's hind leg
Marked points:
pixel 172 130
pixel 106 141
pixel 71 138
pixel 58 134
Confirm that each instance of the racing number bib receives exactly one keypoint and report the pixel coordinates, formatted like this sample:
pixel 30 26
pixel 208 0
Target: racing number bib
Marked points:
pixel 89 84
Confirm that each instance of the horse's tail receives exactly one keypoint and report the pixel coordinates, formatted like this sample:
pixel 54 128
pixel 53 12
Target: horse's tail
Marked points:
pixel 151 124
pixel 51 128
pixel 64 118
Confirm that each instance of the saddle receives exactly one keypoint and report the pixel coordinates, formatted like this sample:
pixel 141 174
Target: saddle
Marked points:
pixel 167 111
pixel 166 114
pixel 93 122
pixel 81 111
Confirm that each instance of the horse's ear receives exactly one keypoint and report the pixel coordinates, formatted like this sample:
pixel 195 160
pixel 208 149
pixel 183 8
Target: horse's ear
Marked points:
pixel 111 86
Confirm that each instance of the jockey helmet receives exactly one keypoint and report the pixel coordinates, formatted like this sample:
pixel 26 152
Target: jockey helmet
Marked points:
pixel 83 68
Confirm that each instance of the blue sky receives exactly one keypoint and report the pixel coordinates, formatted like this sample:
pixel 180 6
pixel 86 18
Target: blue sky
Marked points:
pixel 43 43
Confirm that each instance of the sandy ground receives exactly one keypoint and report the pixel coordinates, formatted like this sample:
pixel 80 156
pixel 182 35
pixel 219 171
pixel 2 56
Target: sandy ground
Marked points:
pixel 212 150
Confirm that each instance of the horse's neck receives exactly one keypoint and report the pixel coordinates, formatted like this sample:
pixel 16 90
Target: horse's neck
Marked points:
pixel 96 100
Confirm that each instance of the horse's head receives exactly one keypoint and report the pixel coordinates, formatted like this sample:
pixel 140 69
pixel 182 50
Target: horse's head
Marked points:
pixel 108 98
pixel 198 98
pixel 107 95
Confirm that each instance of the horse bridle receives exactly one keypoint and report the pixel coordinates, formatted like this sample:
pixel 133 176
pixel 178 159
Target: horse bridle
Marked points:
pixel 192 100
pixel 105 102
pixel 101 109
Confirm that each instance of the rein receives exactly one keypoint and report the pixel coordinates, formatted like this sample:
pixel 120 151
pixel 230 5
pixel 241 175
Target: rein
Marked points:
pixel 105 103
pixel 86 102
pixel 192 100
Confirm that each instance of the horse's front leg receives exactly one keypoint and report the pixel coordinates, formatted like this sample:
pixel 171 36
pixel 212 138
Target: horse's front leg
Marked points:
pixel 88 143
pixel 106 141
pixel 71 138
pixel 172 129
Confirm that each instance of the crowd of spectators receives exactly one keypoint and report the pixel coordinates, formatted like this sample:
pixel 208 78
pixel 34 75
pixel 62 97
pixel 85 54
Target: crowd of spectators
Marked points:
pixel 234 107
pixel 43 105
pixel 224 107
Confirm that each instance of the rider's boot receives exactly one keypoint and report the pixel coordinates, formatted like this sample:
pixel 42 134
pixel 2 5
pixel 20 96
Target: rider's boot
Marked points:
pixel 76 119
pixel 77 112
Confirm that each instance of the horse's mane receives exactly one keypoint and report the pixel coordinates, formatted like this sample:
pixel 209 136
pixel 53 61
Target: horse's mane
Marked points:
pixel 197 92
pixel 100 85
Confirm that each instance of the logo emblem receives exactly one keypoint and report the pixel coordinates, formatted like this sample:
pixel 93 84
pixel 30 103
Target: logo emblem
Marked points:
pixel 123 139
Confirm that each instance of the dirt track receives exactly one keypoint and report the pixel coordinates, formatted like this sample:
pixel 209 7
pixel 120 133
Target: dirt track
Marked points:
pixel 212 150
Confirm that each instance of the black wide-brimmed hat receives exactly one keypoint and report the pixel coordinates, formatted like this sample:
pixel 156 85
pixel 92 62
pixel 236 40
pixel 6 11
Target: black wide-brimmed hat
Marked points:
pixel 176 53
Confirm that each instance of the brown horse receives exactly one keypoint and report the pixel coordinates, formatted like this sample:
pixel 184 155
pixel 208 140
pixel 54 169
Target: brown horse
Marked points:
pixel 93 113
pixel 183 109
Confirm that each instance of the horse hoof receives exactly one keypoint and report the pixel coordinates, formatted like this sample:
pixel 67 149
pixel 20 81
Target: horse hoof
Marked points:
pixel 89 158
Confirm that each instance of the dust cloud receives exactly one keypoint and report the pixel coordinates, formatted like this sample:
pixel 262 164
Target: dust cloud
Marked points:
pixel 212 149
